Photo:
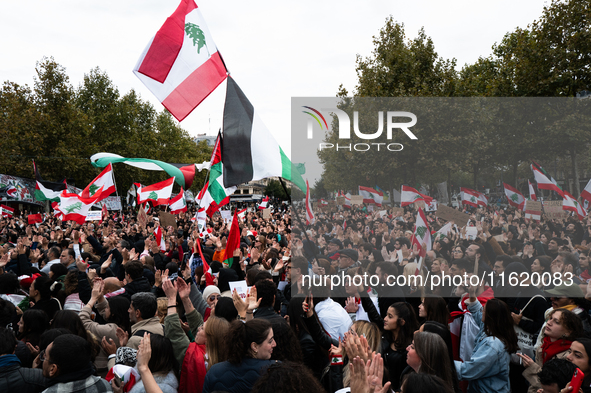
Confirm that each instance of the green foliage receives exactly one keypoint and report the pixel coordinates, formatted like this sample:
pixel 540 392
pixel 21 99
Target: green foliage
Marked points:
pixel 275 189
pixel 61 127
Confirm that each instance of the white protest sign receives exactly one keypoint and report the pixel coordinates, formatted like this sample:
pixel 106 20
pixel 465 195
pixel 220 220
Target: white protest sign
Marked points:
pixel 94 215
pixel 226 215
pixel 240 287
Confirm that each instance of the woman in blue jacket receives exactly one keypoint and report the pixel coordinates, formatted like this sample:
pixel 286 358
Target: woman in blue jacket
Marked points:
pixel 250 346
pixel 488 368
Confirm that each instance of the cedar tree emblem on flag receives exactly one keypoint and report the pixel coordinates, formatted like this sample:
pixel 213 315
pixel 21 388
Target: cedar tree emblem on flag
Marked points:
pixel 196 34
pixel 75 206
pixel 421 232
pixel 153 195
pixel 93 188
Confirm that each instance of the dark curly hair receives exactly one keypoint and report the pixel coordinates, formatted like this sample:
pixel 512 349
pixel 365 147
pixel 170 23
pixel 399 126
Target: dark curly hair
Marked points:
pixel 287 377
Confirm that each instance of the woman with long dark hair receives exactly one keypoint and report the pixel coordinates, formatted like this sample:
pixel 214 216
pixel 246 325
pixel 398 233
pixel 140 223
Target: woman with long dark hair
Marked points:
pixel 250 347
pixel 488 368
pixel 442 330
pixel 428 354
pixel 41 293
pixel 434 308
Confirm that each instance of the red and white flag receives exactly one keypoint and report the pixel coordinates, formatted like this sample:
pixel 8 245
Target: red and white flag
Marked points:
pixel 347 204
pixel 160 238
pixel 469 196
pixel 532 192
pixel 104 180
pixel 586 193
pixel 157 194
pixel 264 203
pixel 309 214
pixel 371 196
pixel 482 199
pixel 545 181
pixel 422 235
pixel 74 207
pixel 181 65
pixel 514 197
pixel 178 203
pixel 409 195
pixel 323 202
pixel 242 214
pixel 6 211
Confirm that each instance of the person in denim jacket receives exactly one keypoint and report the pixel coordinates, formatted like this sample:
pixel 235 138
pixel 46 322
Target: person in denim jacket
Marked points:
pixel 488 368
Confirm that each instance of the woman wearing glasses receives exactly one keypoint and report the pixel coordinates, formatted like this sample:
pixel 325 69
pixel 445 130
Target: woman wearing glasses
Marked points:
pixel 211 295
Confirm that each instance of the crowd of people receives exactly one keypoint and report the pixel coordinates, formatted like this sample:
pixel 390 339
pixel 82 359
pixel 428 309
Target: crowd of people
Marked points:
pixel 104 307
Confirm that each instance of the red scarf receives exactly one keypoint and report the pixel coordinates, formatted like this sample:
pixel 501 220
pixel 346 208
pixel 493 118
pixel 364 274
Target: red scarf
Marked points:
pixel 551 349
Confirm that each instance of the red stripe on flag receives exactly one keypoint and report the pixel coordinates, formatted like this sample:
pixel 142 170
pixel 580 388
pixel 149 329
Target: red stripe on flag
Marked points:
pixel 167 44
pixel 182 100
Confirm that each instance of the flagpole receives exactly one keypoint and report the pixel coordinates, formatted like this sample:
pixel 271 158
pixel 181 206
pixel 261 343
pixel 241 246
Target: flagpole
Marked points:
pixel 117 192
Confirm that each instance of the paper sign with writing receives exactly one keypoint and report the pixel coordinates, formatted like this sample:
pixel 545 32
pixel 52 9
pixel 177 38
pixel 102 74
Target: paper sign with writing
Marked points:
pixel 340 200
pixel 356 199
pixel 267 213
pixel 240 287
pixel 142 218
pixel 450 214
pixel 533 210
pixel 226 215
pixel 94 215
pixel 167 219
pixel 553 210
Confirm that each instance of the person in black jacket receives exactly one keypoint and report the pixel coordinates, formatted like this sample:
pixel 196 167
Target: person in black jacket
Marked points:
pixel 14 377
pixel 136 282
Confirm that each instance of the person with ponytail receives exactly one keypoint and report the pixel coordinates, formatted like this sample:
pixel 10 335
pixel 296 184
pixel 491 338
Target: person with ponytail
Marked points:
pixel 250 347
pixel 42 292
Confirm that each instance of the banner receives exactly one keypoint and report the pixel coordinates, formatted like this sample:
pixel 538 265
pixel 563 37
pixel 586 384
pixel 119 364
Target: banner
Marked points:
pixel 94 215
pixel 17 189
pixel 451 214
pixel 553 210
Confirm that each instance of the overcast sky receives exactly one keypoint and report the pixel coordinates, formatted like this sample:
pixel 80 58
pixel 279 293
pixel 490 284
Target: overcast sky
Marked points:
pixel 275 50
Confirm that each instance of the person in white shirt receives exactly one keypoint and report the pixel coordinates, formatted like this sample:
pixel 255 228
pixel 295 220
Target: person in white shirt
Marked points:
pixel 333 317
pixel 54 257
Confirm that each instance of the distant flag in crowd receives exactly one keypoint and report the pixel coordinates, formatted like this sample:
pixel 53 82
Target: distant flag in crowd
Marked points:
pixel 469 196
pixel 181 65
pixel 445 231
pixel 514 197
pixel 74 207
pixel 45 190
pixel 482 199
pixel 586 193
pixel 264 203
pixel 104 213
pixel 581 211
pixel 178 204
pixel 34 219
pixel 250 152
pixel 233 241
pixel 544 180
pixel 569 202
pixel 131 193
pixel 183 174
pixel 385 195
pixel 409 195
pixel 371 196
pixel 422 234
pixel 158 193
pixel 323 202
pixel 309 213
pixel 242 214
pixel 6 211
pixel 347 204
pixel 159 238
pixel 532 192
pixel 105 180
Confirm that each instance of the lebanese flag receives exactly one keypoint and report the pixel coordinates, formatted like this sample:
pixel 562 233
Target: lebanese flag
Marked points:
pixel 181 65
pixel 74 207
pixel 323 202
pixel 545 181
pixel 157 194
pixel 469 196
pixel 160 238
pixel 104 180
pixel 586 193
pixel 482 199
pixel 250 152
pixel 309 214
pixel 6 211
pixel 104 213
pixel 514 197
pixel 233 240
pixel 264 203
pixel 371 196
pixel 178 203
pixel 207 206
pixel 581 212
pixel 409 195
pixel 242 213
pixel 532 192
pixel 569 202
pixel 422 234
pixel 57 213
pixel 445 231
pixel 347 204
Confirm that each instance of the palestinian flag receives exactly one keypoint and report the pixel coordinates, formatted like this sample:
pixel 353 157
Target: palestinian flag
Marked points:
pixel 409 195
pixel 309 214
pixel 183 174
pixel 74 207
pixel 264 203
pixel 214 195
pixel 532 192
pixel 45 190
pixel 233 240
pixel 422 235
pixel 104 180
pixel 6 211
pixel 544 180
pixel 514 197
pixel 181 65
pixel 178 203
pixel 469 196
pixel 34 219
pixel 157 194
pixel 250 151
pixel 586 193
pixel 160 238
pixel 371 196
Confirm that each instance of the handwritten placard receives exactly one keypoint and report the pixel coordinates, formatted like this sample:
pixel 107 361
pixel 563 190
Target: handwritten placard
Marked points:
pixel 450 214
